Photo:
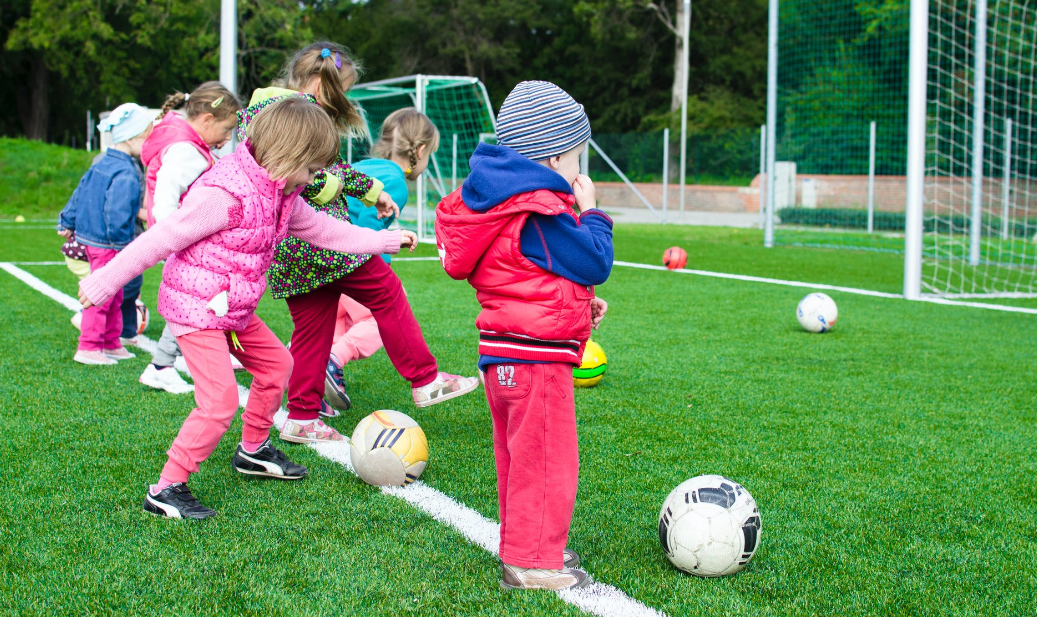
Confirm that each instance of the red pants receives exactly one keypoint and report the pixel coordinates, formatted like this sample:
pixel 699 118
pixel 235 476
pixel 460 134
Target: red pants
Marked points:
pixel 377 288
pixel 538 461
pixel 207 353
pixel 101 325
pixel 356 332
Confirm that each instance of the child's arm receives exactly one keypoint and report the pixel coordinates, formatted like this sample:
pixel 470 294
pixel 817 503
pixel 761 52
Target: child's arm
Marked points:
pixel 580 251
pixel 121 203
pixel 182 164
pixel 340 177
pixel 206 210
pixel 326 232
pixel 67 217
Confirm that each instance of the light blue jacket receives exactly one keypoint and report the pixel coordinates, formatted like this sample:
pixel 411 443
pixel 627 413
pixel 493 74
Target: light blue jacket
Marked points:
pixel 395 182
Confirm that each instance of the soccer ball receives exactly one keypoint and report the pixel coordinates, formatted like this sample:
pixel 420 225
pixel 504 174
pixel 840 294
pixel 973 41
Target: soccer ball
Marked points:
pixel 592 369
pixel 675 258
pixel 143 317
pixel 709 526
pixel 388 448
pixel 817 312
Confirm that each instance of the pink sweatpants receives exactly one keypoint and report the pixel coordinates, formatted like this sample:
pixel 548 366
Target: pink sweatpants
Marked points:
pixel 538 461
pixel 207 353
pixel 356 332
pixel 101 325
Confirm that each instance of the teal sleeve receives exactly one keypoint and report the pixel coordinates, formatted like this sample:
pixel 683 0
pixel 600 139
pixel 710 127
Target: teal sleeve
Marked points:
pixel 392 176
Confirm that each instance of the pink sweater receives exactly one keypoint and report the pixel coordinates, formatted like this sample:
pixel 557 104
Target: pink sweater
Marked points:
pixel 207 210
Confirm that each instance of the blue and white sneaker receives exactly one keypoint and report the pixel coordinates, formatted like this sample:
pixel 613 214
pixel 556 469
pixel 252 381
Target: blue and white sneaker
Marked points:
pixel 335 388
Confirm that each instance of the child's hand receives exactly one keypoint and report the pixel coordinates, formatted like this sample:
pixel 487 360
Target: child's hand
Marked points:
pixel 598 309
pixel 408 239
pixel 386 206
pixel 583 188
pixel 65 233
pixel 84 300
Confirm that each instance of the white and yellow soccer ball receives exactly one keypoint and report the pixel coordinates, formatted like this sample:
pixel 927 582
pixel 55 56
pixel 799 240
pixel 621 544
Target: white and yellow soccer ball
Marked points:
pixel 709 526
pixel 817 312
pixel 388 448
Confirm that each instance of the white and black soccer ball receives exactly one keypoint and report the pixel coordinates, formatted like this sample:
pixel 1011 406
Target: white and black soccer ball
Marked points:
pixel 710 526
pixel 388 448
pixel 817 312
pixel 143 316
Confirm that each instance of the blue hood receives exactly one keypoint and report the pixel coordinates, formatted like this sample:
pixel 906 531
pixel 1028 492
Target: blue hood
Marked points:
pixel 499 173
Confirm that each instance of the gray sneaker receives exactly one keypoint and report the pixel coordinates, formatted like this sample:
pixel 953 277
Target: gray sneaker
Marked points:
pixel 443 388
pixel 514 577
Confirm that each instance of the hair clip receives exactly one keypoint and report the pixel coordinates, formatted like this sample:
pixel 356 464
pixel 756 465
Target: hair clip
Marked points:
pixel 324 53
pixel 187 97
pixel 338 61
pixel 216 103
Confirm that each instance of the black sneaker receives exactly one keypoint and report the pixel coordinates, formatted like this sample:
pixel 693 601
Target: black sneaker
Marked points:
pixel 267 461
pixel 176 501
pixel 335 387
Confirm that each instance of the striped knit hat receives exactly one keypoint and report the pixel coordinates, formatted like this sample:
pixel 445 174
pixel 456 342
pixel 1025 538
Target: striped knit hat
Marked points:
pixel 540 120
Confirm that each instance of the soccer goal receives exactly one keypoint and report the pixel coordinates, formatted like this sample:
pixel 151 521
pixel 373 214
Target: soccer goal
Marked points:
pixel 458 106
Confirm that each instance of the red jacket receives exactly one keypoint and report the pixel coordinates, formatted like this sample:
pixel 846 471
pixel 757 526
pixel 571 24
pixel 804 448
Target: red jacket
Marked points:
pixel 527 313
pixel 170 130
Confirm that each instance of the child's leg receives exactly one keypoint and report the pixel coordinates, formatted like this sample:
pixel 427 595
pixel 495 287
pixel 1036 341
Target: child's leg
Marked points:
pixel 128 307
pixel 166 349
pixel 101 324
pixel 535 446
pixel 265 357
pixel 356 332
pixel 311 344
pixel 216 394
pixel 375 286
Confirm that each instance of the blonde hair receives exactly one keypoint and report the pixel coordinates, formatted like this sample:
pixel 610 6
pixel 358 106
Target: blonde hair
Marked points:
pixel 208 98
pixel 404 131
pixel 290 134
pixel 311 61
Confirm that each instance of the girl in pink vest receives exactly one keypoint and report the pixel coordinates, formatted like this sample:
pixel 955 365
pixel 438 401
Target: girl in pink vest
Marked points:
pixel 177 153
pixel 217 248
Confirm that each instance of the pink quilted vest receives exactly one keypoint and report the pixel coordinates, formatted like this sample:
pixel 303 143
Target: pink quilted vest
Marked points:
pixel 234 260
pixel 170 130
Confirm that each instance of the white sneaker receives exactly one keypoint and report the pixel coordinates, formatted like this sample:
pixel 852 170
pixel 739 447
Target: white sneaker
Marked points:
pixel 119 353
pixel 444 388
pixel 236 364
pixel 128 342
pixel 77 320
pixel 165 379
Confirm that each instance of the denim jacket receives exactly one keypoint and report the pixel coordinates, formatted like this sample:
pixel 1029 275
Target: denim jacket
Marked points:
pixel 103 208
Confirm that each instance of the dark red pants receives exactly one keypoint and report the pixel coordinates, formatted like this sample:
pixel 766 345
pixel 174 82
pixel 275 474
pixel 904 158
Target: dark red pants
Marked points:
pixel 375 286
pixel 538 461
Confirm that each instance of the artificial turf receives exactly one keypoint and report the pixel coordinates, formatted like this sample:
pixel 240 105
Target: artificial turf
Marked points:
pixel 892 458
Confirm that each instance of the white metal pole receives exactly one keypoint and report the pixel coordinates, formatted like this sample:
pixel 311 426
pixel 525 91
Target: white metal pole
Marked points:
pixel 772 117
pixel 89 132
pixel 453 167
pixel 419 89
pixel 1006 186
pixel 349 150
pixel 763 175
pixel 666 169
pixel 585 161
pixel 979 90
pixel 229 56
pixel 871 178
pixel 918 62
pixel 685 48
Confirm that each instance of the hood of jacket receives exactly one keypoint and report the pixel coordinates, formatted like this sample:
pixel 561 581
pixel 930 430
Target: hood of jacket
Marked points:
pixel 500 173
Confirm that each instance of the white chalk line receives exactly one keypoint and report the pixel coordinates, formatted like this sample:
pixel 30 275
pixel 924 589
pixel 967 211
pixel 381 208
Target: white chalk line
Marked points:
pixel 745 277
pixel 850 290
pixel 597 598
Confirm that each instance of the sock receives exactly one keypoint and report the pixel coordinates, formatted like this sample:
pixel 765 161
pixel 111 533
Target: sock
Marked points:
pixel 162 483
pixel 251 446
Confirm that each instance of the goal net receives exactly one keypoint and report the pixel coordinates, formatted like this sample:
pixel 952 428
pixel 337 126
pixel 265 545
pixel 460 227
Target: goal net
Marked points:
pixel 460 109
pixel 980 209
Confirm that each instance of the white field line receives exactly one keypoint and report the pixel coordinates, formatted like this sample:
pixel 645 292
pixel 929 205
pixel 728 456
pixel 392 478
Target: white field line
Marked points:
pixel 737 277
pixel 815 286
pixel 597 598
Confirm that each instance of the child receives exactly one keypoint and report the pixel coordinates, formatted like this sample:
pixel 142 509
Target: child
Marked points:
pixel 312 279
pixel 511 232
pixel 176 154
pixel 394 161
pixel 217 248
pixel 102 213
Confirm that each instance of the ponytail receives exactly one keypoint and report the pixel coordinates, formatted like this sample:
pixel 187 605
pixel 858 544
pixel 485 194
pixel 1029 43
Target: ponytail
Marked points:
pixel 333 65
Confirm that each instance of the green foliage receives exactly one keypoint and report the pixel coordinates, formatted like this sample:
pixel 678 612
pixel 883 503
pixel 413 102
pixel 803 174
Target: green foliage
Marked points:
pixel 37 179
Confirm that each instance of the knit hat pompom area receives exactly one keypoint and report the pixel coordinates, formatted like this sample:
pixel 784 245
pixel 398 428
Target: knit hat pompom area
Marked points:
pixel 540 120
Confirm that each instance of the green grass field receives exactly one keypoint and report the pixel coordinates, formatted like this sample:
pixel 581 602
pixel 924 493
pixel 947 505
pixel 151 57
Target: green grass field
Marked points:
pixel 892 458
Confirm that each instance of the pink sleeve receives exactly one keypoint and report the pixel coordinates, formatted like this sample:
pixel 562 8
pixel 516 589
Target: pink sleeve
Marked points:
pixel 205 211
pixel 326 232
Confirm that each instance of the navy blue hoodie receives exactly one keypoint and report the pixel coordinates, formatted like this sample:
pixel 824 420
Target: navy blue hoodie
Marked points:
pixel 577 249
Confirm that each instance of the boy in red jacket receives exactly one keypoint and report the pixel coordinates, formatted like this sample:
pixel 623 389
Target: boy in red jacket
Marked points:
pixel 511 231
